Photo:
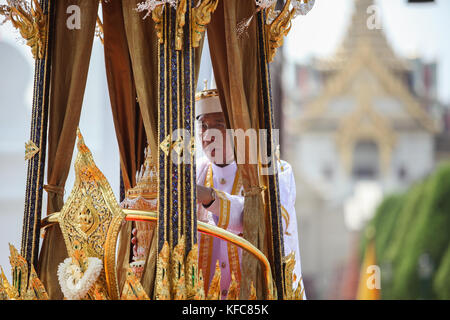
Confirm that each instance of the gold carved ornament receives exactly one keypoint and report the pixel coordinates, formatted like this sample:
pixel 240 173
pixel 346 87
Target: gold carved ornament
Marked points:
pixel 201 17
pixel 26 284
pixel 31 149
pixel 179 23
pixel 214 287
pixel 278 23
pixel 193 276
pixel 177 271
pixel 233 291
pixel 290 278
pixel 90 221
pixel 278 28
pixel 133 289
pixel 31 22
pixel 158 17
pixel 167 145
pixel 162 287
pixel 99 30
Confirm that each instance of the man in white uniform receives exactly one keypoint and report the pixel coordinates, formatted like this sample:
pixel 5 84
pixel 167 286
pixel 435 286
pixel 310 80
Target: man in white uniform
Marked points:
pixel 221 203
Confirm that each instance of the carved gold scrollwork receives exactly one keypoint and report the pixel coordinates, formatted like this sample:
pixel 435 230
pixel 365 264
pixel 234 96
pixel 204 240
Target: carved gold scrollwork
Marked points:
pixel 31 23
pixel 31 149
pixel 158 16
pixel 277 29
pixel 25 283
pixel 201 16
pixel 290 278
pixel 91 219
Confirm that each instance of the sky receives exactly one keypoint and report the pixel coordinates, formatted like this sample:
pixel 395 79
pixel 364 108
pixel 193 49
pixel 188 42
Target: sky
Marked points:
pixel 412 30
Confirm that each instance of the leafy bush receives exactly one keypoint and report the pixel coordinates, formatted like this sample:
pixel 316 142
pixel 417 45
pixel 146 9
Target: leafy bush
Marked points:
pixel 412 229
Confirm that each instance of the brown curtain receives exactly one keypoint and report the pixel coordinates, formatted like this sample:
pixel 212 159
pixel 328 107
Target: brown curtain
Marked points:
pixel 235 64
pixel 127 117
pixel 143 48
pixel 128 122
pixel 71 55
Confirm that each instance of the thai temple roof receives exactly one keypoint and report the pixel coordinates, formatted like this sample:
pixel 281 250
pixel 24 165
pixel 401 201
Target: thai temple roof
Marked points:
pixel 358 31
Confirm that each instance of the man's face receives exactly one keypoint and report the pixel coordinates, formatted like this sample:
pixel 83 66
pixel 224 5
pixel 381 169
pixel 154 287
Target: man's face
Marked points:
pixel 213 137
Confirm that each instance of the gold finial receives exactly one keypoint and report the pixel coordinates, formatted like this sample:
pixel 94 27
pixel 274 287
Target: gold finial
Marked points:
pixel 146 179
pixel 214 287
pixel 206 93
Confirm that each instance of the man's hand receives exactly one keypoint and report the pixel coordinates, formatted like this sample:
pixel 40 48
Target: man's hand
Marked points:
pixel 205 195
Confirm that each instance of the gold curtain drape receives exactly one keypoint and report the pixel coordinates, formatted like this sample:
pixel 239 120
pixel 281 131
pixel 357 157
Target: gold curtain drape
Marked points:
pixel 235 64
pixel 71 52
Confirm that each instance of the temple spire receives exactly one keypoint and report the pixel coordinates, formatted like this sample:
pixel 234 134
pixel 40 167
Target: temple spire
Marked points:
pixel 366 27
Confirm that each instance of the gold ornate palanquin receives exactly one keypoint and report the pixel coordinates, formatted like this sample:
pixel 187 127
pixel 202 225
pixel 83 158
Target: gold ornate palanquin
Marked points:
pixel 91 219
pixel 144 196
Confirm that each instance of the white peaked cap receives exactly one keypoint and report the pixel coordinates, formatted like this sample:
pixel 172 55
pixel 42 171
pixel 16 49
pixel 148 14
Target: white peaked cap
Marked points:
pixel 207 101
